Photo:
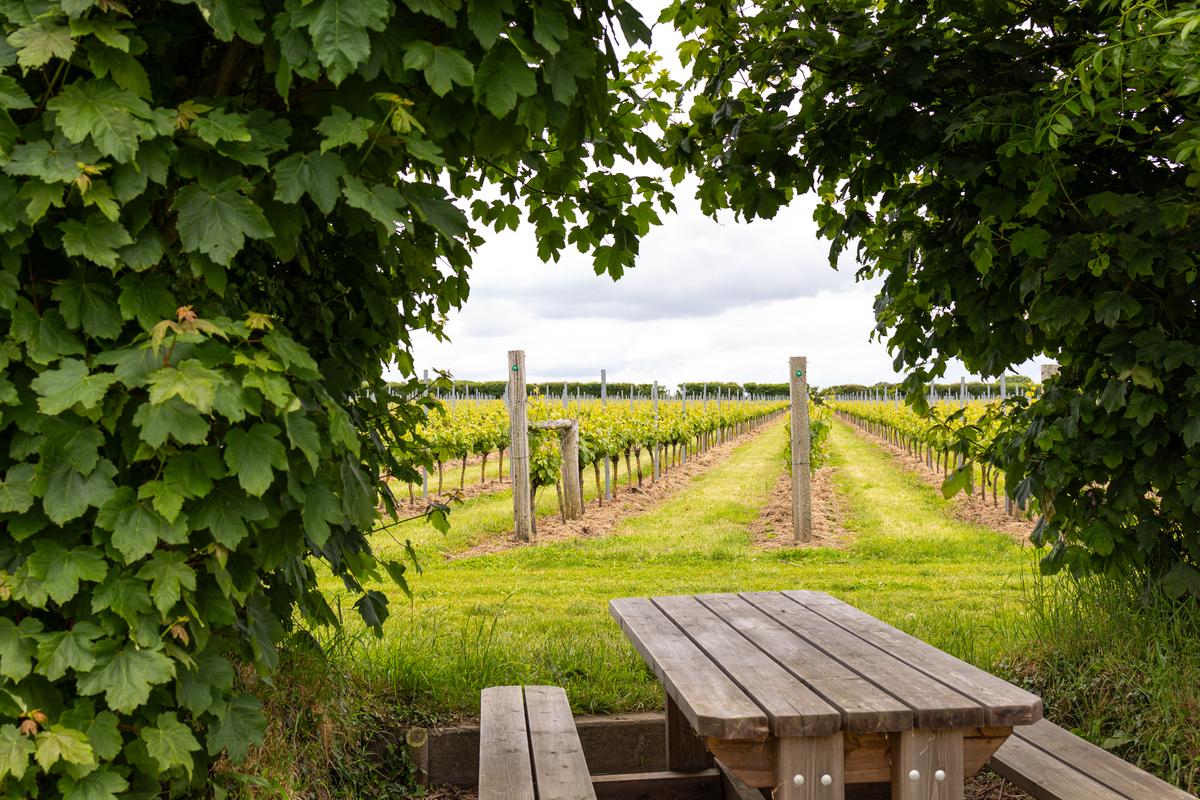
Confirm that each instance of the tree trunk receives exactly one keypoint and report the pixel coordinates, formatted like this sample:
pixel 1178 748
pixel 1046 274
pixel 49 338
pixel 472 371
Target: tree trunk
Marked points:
pixel 599 488
pixel 637 455
pixel 500 465
pixel 462 475
pixel 439 491
pixel 483 470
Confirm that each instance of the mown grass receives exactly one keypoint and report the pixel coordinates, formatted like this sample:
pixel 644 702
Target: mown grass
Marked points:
pixel 539 614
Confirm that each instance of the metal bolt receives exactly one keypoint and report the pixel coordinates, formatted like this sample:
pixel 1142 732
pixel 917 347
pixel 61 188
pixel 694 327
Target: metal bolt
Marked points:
pixel 798 781
pixel 940 775
pixel 914 776
pixel 826 780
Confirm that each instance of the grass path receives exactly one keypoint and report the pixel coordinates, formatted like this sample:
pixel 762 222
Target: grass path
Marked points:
pixel 539 614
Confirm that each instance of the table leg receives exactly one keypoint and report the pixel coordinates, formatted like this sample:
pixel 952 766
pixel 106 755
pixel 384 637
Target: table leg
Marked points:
pixel 686 751
pixel 927 765
pixel 810 768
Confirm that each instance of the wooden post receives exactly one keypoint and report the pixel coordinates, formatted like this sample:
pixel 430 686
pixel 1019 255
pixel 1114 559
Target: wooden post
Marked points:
pixel 684 447
pixel 572 488
pixel 801 481
pixel 604 404
pixel 656 451
pixel 518 422
pixel 686 751
pixel 1003 387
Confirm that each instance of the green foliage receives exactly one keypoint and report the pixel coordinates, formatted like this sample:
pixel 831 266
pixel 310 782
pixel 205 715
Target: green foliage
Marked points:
pixel 1022 178
pixel 219 221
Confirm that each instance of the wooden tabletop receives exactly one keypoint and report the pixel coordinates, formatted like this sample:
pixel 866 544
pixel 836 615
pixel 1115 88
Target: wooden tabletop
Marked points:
pixel 800 663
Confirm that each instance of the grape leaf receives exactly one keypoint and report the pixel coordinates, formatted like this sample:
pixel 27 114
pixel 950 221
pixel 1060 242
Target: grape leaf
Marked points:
pixel 104 111
pixel 100 784
pixel 126 677
pixel 225 511
pixel 170 743
pixel 442 66
pixel 314 174
pixel 88 303
pixel 339 30
pixel 175 419
pixel 137 528
pixel 340 128
pixel 241 726
pixel 168 573
pixel 69 493
pixel 252 454
pixel 12 95
pixel 96 239
pixel 221 126
pixel 16 490
pixel 62 650
pixel 70 384
pixel 502 77
pixel 36 45
pixel 15 751
pixel 59 743
pixel 17 647
pixel 217 223
pixel 60 570
pixel 146 298
pixel 189 380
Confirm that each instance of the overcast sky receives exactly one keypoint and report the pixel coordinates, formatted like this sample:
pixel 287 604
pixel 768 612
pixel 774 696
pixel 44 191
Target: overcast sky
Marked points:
pixel 709 300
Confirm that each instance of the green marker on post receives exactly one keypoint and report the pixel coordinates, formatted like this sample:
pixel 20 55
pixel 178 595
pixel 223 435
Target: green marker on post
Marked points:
pixel 799 373
pixel 515 368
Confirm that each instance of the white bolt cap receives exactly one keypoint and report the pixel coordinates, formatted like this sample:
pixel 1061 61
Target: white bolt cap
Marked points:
pixel 826 780
pixel 940 775
pixel 914 776
pixel 797 780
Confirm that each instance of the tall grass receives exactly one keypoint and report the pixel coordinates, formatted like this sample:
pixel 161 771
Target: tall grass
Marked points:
pixel 1118 662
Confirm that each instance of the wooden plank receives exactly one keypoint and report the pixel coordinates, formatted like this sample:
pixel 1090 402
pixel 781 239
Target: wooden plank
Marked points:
pixel 712 703
pixel 505 768
pixel 792 708
pixel 1005 704
pixel 734 787
pixel 705 785
pixel 1042 775
pixel 559 767
pixel 934 704
pixel 927 765
pixel 685 748
pixel 801 480
pixel 867 756
pixel 1099 764
pixel 809 768
pixel 862 705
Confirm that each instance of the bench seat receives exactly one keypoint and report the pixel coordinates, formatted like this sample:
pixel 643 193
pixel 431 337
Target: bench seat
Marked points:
pixel 1051 763
pixel 528 746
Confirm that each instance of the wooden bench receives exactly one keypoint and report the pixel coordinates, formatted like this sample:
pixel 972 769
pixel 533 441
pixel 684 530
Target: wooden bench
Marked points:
pixel 527 739
pixel 529 749
pixel 1051 763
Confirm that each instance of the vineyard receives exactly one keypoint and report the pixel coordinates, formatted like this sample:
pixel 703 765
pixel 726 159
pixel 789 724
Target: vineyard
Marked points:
pixel 628 442
pixel 940 438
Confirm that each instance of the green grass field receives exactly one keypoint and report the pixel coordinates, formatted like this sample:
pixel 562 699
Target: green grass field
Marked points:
pixel 539 614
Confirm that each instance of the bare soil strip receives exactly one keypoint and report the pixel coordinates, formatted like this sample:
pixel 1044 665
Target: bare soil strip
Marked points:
pixel 627 501
pixel 773 528
pixel 972 509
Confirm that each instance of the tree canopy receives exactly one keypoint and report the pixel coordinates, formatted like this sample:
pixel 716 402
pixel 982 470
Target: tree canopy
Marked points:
pixel 221 219
pixel 1024 178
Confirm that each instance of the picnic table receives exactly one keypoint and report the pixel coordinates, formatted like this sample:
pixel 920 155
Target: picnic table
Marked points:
pixel 804 694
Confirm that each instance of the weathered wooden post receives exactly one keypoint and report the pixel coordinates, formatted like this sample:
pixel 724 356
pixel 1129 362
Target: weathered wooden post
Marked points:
pixel 604 404
pixel 572 488
pixel 518 424
pixel 1003 387
pixel 801 482
pixel 683 448
pixel 656 452
pixel 424 468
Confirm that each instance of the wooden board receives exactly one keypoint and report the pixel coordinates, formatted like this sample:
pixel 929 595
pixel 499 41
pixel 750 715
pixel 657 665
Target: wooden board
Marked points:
pixel 1005 704
pixel 684 747
pixel 793 708
pixel 810 762
pixel 1042 775
pixel 862 705
pixel 934 705
pixel 707 784
pixel 927 765
pixel 559 767
pixel 505 768
pixel 712 703
pixel 1097 763
pixel 867 757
